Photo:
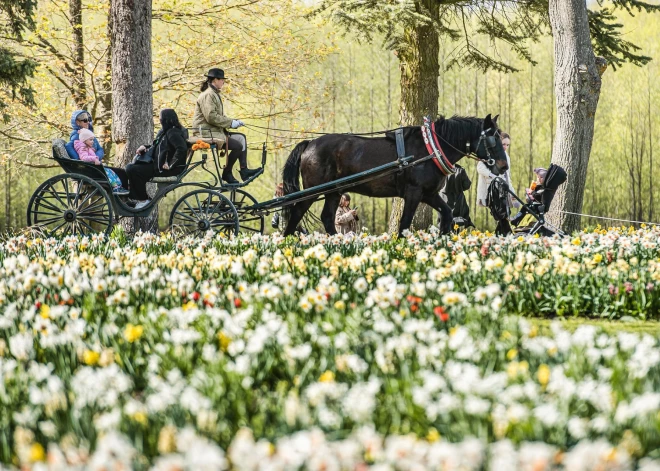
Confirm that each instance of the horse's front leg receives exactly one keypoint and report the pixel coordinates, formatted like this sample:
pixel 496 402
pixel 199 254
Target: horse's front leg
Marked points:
pixel 329 212
pixel 436 202
pixel 411 200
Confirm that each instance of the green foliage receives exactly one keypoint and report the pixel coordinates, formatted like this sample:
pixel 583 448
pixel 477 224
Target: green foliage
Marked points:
pixel 606 33
pixel 461 23
pixel 16 16
pixel 454 21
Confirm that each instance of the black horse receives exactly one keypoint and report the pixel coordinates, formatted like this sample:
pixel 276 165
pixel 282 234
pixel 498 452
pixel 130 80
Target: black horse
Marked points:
pixel 334 156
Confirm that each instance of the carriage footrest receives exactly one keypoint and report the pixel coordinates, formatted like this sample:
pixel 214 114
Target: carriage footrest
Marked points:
pixel 172 179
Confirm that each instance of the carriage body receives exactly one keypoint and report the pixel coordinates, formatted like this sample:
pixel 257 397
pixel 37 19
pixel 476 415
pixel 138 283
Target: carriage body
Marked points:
pixel 81 201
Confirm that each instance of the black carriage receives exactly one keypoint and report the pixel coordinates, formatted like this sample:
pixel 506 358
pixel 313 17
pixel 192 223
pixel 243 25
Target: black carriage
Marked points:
pixel 80 201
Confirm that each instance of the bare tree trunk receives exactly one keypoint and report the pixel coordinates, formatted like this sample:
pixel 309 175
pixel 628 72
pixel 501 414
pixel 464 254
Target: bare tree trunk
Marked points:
pixel 102 108
pixel 8 195
pixel 132 111
pixel 419 94
pixel 530 162
pixel 648 105
pixel 577 88
pixel 79 85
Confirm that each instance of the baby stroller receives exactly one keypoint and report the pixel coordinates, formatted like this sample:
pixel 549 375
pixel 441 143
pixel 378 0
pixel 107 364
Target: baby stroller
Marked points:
pixel 531 218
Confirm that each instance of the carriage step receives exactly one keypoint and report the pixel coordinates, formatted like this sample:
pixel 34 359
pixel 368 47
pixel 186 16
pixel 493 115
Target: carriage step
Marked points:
pixel 172 179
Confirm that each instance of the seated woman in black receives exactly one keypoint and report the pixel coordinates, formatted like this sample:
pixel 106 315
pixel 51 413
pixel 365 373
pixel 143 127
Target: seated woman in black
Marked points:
pixel 166 157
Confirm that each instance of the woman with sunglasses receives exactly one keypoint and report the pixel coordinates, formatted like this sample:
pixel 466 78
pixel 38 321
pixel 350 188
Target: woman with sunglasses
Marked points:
pixel 81 119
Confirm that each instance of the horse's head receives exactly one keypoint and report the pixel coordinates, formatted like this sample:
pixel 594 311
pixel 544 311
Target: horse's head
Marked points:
pixel 488 146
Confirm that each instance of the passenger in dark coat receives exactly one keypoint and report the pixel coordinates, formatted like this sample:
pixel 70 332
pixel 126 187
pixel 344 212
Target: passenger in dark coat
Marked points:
pixel 168 157
pixel 452 193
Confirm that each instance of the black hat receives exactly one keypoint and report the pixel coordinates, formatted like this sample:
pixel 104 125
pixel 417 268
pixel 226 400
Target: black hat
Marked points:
pixel 216 73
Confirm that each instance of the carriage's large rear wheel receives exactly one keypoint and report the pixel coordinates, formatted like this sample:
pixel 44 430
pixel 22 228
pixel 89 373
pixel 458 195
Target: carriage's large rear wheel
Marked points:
pixel 70 204
pixel 202 210
pixel 248 222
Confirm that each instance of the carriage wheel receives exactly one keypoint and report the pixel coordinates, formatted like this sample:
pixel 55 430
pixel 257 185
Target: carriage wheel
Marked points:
pixel 70 204
pixel 248 222
pixel 202 210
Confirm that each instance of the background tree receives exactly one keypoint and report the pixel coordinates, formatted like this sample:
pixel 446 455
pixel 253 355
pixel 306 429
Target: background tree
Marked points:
pixel 577 88
pixel 132 88
pixel 16 16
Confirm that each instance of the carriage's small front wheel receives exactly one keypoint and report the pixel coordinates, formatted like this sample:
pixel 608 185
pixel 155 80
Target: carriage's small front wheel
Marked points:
pixel 202 210
pixel 70 204
pixel 249 222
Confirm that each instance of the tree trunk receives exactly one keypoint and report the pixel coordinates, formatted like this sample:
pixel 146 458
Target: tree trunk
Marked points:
pixel 577 89
pixel 79 85
pixel 418 63
pixel 132 110
pixel 102 108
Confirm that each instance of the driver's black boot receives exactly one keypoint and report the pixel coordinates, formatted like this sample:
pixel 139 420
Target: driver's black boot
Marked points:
pixel 247 173
pixel 228 177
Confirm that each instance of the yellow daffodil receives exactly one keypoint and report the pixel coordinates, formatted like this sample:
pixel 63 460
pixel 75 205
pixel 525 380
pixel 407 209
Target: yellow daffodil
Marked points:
pixel 133 332
pixel 327 377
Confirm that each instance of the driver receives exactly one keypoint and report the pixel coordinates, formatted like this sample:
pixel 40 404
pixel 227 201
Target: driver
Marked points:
pixel 210 119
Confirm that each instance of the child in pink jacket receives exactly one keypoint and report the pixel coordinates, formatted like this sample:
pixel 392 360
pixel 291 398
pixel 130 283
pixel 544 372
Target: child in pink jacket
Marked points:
pixel 85 149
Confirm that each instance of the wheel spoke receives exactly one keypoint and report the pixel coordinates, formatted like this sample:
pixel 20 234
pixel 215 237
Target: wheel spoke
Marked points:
pixel 185 216
pixel 47 213
pixel 100 203
pixel 54 193
pixel 58 227
pixel 44 201
pixel 223 216
pixel 94 219
pixel 48 220
pixel 89 196
pixel 65 183
pixel 78 192
pixel 96 214
pixel 193 210
pixel 81 222
pixel 208 203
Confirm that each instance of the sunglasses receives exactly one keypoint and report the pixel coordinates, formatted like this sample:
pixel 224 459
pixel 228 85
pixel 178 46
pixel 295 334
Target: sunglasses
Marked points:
pixel 83 120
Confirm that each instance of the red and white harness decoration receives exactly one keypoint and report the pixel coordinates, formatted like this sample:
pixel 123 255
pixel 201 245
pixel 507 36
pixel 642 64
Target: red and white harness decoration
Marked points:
pixel 433 147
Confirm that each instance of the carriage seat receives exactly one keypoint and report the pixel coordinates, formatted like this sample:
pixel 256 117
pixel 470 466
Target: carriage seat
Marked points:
pixel 59 149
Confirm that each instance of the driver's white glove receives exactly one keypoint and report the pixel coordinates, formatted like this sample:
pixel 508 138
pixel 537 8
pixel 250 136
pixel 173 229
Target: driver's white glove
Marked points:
pixel 236 123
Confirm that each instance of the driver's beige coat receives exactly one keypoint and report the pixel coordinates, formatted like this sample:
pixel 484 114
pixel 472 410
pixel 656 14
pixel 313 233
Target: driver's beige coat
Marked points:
pixel 209 115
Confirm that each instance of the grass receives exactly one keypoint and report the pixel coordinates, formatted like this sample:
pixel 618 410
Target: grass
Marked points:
pixel 611 327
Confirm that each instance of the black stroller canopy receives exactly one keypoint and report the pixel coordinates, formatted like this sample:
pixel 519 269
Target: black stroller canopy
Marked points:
pixel 555 177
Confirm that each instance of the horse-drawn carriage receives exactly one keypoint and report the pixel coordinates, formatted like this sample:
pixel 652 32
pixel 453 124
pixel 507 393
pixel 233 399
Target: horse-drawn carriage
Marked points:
pixel 407 162
pixel 80 201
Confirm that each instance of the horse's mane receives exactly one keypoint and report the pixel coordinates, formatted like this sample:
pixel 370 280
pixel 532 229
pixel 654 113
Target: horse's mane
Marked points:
pixel 457 128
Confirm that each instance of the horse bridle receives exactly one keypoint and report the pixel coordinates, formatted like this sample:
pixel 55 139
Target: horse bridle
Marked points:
pixel 489 144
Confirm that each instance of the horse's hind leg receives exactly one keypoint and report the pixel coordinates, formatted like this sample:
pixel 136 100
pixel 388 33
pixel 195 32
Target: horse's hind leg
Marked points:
pixel 436 202
pixel 330 212
pixel 296 213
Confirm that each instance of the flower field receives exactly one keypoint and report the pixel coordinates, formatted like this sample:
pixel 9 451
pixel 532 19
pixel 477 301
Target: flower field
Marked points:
pixel 328 353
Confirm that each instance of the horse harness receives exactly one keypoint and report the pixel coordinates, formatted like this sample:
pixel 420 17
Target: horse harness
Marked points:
pixel 439 157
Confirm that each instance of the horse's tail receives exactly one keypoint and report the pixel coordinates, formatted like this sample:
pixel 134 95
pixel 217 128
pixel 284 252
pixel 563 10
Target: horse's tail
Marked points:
pixel 291 170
